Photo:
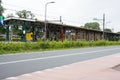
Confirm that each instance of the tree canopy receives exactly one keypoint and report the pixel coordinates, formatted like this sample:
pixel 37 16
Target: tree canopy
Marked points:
pixel 1 8
pixel 92 25
pixel 107 30
pixel 25 14
pixel 118 32
pixel 9 15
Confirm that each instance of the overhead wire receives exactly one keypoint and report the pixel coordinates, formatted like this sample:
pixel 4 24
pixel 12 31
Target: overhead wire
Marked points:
pixel 65 18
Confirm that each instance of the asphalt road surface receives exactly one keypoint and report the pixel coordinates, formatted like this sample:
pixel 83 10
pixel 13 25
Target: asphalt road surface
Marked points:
pixel 18 64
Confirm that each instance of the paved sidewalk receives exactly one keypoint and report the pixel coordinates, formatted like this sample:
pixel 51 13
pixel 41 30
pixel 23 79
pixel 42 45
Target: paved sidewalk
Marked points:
pixel 95 69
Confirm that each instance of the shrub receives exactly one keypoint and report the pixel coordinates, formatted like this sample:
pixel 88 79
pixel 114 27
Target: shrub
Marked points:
pixel 11 47
pixel 16 39
pixel 2 39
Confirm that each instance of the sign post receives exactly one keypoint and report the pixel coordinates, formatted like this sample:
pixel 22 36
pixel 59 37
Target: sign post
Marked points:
pixel 24 33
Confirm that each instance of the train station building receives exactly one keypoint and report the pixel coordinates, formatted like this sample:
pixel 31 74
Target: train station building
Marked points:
pixel 34 29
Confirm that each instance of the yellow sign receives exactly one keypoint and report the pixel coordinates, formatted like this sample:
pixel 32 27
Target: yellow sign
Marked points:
pixel 29 36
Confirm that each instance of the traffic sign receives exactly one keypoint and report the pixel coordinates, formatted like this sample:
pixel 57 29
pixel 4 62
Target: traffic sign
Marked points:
pixel 1 20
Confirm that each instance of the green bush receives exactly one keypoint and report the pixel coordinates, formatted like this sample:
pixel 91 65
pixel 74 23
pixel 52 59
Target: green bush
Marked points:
pixel 2 39
pixel 16 39
pixel 12 47
pixel 13 39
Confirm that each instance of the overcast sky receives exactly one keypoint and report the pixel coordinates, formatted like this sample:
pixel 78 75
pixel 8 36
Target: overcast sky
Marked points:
pixel 73 12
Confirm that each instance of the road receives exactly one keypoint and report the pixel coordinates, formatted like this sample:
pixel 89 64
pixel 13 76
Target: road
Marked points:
pixel 18 64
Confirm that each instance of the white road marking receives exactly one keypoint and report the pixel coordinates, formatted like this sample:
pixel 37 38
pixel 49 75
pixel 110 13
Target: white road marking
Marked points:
pixel 57 68
pixel 47 70
pixel 65 66
pixel 58 56
pixel 38 72
pixel 26 75
pixel 11 78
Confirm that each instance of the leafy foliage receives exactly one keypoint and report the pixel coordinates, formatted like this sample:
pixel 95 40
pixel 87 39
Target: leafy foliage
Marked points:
pixel 25 14
pixel 16 30
pixel 2 29
pixel 92 25
pixel 107 30
pixel 118 32
pixel 9 15
pixel 13 47
pixel 1 8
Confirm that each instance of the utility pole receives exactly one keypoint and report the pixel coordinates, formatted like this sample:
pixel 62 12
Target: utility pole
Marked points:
pixel 103 26
pixel 103 20
pixel 61 19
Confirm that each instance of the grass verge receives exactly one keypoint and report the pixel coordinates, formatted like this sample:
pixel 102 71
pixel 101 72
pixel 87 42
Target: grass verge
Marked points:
pixel 15 47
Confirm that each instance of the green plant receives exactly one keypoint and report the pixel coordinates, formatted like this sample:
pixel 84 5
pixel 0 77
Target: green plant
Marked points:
pixel 13 47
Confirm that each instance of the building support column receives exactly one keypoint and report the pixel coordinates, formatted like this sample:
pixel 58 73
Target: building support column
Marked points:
pixel 7 33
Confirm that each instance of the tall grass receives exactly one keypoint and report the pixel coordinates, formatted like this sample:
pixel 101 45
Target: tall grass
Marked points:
pixel 14 47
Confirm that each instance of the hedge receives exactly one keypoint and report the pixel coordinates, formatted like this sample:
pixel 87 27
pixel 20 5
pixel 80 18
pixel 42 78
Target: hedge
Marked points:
pixel 14 47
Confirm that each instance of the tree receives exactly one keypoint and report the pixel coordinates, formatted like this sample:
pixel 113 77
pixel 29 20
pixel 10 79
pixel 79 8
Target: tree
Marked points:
pixel 118 32
pixel 2 29
pixel 1 8
pixel 107 30
pixel 16 30
pixel 82 26
pixel 92 25
pixel 9 15
pixel 25 14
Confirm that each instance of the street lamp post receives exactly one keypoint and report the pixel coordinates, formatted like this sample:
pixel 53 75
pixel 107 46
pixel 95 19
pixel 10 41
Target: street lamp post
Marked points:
pixel 45 33
pixel 103 26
